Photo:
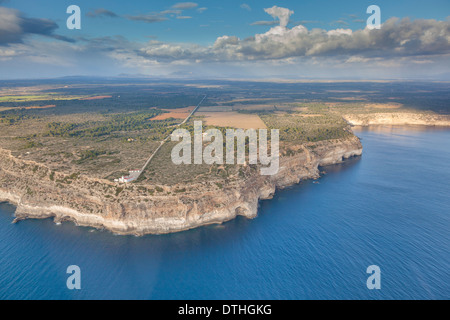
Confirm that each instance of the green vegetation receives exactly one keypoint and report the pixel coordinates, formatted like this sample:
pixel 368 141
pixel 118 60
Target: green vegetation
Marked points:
pixel 42 97
pixel 23 98
pixel 89 155
pixel 14 116
pixel 124 122
pixel 32 144
pixel 300 128
pixel 68 179
pixel 118 190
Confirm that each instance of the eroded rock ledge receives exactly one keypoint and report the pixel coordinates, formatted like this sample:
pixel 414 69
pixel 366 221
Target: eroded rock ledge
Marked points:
pixel 398 118
pixel 41 193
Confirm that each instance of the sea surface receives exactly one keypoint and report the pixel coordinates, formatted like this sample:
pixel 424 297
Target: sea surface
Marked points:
pixel 390 208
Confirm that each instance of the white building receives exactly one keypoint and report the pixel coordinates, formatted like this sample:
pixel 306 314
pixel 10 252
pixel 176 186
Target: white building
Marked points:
pixel 134 174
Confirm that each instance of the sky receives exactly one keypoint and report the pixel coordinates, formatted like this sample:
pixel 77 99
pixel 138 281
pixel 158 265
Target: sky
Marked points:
pixel 246 39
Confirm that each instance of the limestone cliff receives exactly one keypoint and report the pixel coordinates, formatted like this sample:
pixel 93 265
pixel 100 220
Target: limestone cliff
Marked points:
pixel 39 192
pixel 398 118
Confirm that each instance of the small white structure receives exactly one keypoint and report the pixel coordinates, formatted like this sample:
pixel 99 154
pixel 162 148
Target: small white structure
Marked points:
pixel 134 174
pixel 176 136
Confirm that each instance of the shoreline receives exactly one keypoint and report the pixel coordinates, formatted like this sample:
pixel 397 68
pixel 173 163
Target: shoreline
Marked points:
pixel 165 214
pixel 169 214
pixel 398 119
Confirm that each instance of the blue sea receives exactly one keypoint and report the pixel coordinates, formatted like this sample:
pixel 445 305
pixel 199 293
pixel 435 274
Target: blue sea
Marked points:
pixel 390 208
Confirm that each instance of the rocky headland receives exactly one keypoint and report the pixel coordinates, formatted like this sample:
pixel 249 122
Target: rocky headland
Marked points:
pixel 38 192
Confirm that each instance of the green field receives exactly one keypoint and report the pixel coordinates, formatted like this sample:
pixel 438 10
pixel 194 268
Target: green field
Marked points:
pixel 46 97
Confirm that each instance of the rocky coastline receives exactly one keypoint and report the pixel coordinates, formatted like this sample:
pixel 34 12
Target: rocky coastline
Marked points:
pixel 39 193
pixel 398 119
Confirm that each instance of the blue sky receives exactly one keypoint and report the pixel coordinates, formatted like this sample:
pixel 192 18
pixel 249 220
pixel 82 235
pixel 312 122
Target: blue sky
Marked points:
pixel 217 39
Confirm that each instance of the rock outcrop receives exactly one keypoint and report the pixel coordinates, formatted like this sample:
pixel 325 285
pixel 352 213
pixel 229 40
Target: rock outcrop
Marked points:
pixel 39 193
pixel 398 118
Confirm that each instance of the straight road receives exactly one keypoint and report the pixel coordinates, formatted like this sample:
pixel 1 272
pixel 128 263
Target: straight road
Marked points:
pixel 167 138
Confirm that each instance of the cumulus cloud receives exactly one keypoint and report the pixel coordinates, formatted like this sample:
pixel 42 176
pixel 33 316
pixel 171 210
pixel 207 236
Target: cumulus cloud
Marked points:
pixel 402 42
pixel 398 42
pixel 14 27
pixel 101 12
pixel 281 14
pixel 396 38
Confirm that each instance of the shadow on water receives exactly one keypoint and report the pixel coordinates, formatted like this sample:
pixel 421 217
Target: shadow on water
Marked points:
pixel 345 165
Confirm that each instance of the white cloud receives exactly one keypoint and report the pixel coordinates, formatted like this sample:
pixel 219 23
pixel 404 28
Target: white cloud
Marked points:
pixel 246 7
pixel 175 11
pixel 185 5
pixel 223 41
pixel 7 54
pixel 399 43
pixel 282 14
pixel 401 38
pixel 338 32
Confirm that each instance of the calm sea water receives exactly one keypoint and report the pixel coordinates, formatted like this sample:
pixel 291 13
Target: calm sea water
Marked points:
pixel 391 208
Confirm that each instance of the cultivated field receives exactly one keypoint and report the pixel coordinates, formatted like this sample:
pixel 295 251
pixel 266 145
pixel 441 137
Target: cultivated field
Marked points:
pixel 41 107
pixel 232 119
pixel 180 113
pixel 96 98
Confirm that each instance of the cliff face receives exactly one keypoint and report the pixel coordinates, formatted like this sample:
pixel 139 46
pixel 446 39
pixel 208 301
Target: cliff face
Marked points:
pixel 40 193
pixel 397 118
